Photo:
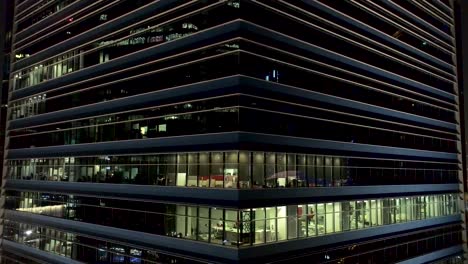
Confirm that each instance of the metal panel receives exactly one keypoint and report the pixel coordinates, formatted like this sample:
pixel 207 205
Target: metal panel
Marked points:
pixel 238 198
pixel 222 141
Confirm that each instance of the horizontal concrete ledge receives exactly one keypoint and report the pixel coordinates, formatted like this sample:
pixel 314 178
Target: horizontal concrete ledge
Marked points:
pixel 169 245
pixel 33 253
pixel 433 256
pixel 229 140
pixel 267 197
pixel 218 253
pixel 128 191
pixel 239 198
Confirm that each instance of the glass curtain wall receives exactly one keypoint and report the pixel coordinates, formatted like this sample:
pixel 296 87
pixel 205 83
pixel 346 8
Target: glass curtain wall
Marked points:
pixel 241 227
pixel 234 169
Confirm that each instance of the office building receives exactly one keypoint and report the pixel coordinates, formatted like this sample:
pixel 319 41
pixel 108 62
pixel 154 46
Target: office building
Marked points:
pixel 233 131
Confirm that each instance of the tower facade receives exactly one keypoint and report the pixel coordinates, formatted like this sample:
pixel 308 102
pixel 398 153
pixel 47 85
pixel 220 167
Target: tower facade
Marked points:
pixel 227 131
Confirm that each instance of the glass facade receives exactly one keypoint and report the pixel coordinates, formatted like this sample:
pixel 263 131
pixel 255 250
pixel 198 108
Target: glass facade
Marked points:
pixel 233 119
pixel 239 227
pixel 388 250
pixel 236 57
pixel 234 169
pixel 239 100
pixel 46 9
pixel 83 248
pixel 227 114
pixel 433 49
pixel 180 23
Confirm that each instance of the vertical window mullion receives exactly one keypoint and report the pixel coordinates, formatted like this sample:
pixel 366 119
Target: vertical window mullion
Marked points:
pixel 223 166
pixel 251 162
pixel 209 225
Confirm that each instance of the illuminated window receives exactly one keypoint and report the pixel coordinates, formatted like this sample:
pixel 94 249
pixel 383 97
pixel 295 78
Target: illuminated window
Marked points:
pixel 162 128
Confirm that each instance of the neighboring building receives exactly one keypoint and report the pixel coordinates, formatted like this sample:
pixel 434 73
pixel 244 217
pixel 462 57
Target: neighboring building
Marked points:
pixel 6 25
pixel 229 131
